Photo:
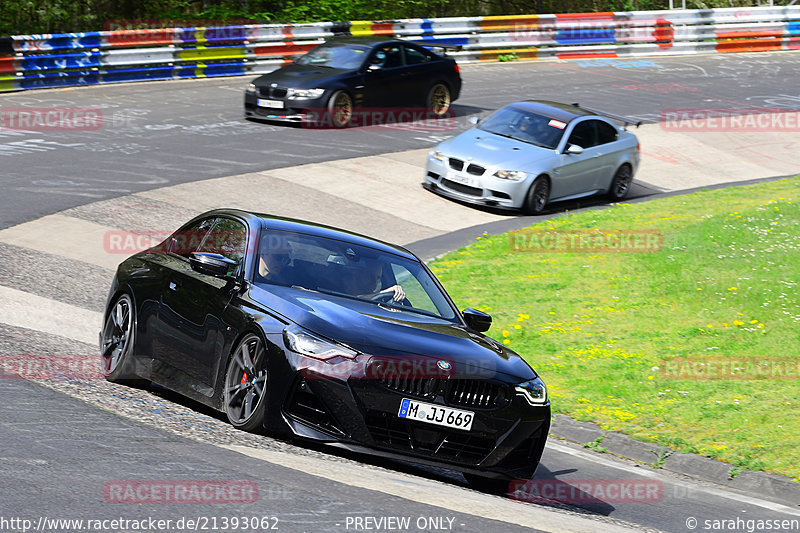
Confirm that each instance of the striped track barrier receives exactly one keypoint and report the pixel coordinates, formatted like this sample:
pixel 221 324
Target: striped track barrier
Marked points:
pixel 88 58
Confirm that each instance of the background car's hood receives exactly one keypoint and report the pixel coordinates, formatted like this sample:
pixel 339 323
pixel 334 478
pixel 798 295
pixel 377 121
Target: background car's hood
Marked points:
pixel 298 76
pixel 375 330
pixel 492 150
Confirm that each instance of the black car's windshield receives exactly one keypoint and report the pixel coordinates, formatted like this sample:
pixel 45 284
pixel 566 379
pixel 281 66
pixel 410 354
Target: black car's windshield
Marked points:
pixel 347 270
pixel 341 56
pixel 525 126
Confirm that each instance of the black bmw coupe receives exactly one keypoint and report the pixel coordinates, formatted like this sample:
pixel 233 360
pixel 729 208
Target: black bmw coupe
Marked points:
pixel 332 82
pixel 303 330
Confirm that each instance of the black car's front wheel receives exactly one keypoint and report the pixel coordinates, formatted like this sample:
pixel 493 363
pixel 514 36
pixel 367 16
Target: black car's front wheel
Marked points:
pixel 537 197
pixel 621 183
pixel 340 109
pixel 118 341
pixel 439 99
pixel 245 394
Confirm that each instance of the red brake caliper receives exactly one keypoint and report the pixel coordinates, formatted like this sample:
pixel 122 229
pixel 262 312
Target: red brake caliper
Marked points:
pixel 244 377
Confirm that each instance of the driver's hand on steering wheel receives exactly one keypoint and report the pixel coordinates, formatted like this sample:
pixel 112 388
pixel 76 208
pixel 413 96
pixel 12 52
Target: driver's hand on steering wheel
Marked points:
pixel 399 293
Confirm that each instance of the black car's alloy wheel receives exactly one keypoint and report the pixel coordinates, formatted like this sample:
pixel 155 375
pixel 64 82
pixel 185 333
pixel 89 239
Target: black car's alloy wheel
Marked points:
pixel 537 197
pixel 439 99
pixel 340 109
pixel 117 340
pixel 621 183
pixel 246 384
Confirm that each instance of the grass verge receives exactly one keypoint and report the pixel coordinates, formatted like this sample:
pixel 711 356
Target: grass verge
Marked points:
pixel 642 343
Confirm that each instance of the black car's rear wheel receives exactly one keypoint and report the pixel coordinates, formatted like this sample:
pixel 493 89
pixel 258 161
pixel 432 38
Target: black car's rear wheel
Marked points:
pixel 439 99
pixel 340 109
pixel 117 342
pixel 621 183
pixel 537 197
pixel 245 394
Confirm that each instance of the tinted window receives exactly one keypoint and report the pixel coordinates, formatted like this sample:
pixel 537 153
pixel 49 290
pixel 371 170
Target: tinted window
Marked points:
pixel 606 132
pixel 189 238
pixel 524 126
pixel 228 237
pixel 387 56
pixel 584 134
pixel 335 56
pixel 415 57
pixel 344 270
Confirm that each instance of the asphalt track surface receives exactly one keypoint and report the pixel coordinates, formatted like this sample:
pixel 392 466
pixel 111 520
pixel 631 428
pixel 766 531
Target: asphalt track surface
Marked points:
pixel 57 453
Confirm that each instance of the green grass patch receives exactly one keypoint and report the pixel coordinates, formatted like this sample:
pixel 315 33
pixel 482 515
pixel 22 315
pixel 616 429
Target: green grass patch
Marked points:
pixel 601 327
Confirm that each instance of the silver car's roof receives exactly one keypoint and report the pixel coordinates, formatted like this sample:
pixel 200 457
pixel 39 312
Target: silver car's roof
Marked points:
pixel 563 112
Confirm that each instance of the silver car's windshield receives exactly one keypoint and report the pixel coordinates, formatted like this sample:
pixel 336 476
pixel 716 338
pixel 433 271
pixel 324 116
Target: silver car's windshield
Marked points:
pixel 524 126
pixel 347 270
pixel 341 56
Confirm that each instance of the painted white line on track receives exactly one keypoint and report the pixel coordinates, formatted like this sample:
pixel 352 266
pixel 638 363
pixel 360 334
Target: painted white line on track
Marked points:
pixel 30 311
pixel 690 486
pixel 429 492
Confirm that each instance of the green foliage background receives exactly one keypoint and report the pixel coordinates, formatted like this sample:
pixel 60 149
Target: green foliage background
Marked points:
pixel 60 16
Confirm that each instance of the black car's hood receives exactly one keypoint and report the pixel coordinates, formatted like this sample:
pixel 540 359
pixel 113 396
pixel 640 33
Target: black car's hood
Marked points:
pixel 375 330
pixel 300 76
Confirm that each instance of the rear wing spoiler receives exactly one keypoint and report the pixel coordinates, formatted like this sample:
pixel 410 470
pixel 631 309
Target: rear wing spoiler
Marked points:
pixel 625 120
pixel 443 46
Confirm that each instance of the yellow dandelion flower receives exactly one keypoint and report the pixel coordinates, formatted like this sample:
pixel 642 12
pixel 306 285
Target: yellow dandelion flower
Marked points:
pixel 505 333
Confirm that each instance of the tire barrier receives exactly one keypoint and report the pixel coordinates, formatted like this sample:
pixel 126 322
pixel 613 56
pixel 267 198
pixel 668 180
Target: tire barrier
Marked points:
pixel 89 58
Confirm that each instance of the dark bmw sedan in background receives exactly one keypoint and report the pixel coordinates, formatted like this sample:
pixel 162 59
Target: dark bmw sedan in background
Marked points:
pixel 331 81
pixel 303 330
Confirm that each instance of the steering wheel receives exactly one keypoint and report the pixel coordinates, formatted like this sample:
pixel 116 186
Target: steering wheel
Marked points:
pixel 388 298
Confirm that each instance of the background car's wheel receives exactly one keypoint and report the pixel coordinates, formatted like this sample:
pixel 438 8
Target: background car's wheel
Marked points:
pixel 245 393
pixel 537 197
pixel 487 484
pixel 118 341
pixel 340 109
pixel 621 183
pixel 439 99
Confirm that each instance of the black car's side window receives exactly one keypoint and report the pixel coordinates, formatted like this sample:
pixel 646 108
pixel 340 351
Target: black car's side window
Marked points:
pixel 606 133
pixel 228 237
pixel 415 57
pixel 188 239
pixel 388 56
pixel 584 134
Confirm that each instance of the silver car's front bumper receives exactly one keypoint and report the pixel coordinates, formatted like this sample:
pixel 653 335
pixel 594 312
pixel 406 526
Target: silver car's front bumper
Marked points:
pixel 471 185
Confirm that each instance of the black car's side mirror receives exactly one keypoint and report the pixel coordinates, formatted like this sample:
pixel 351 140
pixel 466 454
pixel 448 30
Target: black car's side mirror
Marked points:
pixel 374 68
pixel 477 320
pixel 211 264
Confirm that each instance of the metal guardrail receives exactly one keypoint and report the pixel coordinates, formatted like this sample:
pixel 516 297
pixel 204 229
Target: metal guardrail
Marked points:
pixel 89 58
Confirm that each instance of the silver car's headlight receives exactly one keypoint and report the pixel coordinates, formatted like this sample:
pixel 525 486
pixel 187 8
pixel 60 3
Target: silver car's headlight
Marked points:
pixel 305 343
pixel 534 391
pixel 513 175
pixel 251 88
pixel 304 93
pixel 437 155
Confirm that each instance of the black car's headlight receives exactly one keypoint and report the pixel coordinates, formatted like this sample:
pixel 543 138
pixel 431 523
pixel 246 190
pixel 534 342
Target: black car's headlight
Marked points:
pixel 305 343
pixel 533 390
pixel 304 93
pixel 513 175
pixel 251 88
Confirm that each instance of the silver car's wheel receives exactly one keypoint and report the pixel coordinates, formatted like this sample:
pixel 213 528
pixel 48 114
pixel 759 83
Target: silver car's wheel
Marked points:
pixel 439 99
pixel 246 384
pixel 621 183
pixel 340 109
pixel 537 197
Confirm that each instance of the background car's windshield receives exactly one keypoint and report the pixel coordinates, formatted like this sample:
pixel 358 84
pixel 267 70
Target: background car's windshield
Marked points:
pixel 339 56
pixel 525 126
pixel 348 270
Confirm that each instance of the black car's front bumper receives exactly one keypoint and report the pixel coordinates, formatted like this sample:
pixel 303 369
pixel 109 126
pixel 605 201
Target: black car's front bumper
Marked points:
pixel 359 413
pixel 293 110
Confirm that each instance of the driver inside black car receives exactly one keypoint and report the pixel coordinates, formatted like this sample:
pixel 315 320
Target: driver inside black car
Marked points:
pixel 368 281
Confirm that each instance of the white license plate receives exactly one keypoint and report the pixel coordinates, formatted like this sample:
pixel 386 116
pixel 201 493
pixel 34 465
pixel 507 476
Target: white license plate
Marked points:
pixel 436 414
pixel 275 104
pixel 464 180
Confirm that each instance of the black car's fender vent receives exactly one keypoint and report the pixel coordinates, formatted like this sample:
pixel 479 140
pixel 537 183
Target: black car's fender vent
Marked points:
pixel 476 393
pixel 306 407
pixel 460 187
pixel 451 445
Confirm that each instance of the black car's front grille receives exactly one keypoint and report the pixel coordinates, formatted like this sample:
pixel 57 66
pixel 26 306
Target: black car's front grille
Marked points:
pixel 476 393
pixel 460 187
pixel 475 170
pixel 412 385
pixel 272 92
pixel 456 164
pixel 444 444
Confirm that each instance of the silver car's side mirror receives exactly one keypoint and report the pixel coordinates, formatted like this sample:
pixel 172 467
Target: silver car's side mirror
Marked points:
pixel 474 120
pixel 574 149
